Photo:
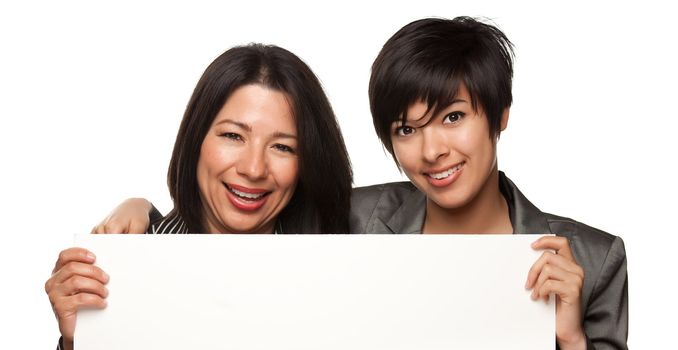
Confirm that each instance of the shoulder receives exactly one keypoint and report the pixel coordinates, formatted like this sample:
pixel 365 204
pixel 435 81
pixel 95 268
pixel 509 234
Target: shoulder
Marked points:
pixel 578 231
pixel 382 200
pixel 596 242
pixel 394 190
pixel 172 223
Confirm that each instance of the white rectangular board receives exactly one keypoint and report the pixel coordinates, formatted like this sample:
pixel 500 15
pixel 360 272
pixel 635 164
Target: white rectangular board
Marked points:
pixel 248 292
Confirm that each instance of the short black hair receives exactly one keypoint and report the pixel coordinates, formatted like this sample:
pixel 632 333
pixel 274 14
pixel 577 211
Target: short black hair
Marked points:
pixel 428 59
pixel 320 203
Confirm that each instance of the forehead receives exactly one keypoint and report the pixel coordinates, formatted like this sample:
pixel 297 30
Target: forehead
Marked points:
pixel 260 107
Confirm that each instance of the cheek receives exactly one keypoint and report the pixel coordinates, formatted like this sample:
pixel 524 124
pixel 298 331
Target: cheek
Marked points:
pixel 213 160
pixel 285 171
pixel 202 171
pixel 483 155
pixel 467 144
pixel 475 143
pixel 406 155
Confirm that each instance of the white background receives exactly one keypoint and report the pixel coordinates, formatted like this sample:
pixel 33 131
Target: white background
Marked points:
pixel 91 97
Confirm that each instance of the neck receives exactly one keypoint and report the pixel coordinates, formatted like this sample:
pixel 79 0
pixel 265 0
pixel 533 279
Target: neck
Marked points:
pixel 486 213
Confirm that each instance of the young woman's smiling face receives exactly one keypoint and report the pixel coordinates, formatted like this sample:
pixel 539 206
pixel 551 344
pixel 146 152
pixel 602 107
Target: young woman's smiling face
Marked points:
pixel 448 156
pixel 248 166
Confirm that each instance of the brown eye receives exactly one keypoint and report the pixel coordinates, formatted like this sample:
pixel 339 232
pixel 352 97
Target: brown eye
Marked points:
pixel 453 118
pixel 405 130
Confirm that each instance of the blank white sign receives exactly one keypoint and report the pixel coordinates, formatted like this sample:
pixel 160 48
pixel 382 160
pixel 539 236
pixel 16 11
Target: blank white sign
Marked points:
pixel 316 292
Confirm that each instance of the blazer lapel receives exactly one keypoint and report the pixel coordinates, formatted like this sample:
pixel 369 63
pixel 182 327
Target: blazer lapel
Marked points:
pixel 409 218
pixel 525 217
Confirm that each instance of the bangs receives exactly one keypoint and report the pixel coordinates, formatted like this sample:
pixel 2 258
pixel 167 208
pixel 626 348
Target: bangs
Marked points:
pixel 437 88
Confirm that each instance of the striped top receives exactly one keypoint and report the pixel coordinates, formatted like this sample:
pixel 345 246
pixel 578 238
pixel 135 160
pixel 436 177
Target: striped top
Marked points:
pixel 171 223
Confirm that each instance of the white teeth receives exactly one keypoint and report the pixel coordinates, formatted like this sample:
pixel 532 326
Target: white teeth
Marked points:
pixel 247 195
pixel 446 173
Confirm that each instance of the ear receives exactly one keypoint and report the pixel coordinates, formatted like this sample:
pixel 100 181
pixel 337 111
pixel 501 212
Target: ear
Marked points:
pixel 504 119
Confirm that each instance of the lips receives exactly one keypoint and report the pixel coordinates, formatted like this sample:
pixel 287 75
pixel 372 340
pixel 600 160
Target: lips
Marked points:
pixel 245 198
pixel 444 177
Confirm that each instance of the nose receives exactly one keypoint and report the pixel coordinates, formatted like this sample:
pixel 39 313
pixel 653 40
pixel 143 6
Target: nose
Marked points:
pixel 433 146
pixel 252 163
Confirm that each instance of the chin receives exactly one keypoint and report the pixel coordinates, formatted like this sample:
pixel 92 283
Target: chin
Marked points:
pixel 245 230
pixel 244 225
pixel 450 201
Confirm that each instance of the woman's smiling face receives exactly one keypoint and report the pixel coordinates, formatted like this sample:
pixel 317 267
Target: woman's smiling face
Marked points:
pixel 448 156
pixel 248 166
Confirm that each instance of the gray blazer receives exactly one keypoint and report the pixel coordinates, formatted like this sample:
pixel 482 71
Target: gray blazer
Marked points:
pixel 401 208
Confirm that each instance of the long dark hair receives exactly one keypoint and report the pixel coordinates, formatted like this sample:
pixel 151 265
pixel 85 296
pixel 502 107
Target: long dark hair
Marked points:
pixel 321 200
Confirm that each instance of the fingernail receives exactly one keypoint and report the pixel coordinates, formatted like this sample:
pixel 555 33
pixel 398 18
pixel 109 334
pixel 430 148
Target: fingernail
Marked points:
pixel 91 256
pixel 107 277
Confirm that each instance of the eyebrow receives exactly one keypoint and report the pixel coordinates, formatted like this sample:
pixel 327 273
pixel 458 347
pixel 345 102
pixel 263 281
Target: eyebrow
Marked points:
pixel 248 128
pixel 280 134
pixel 238 124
